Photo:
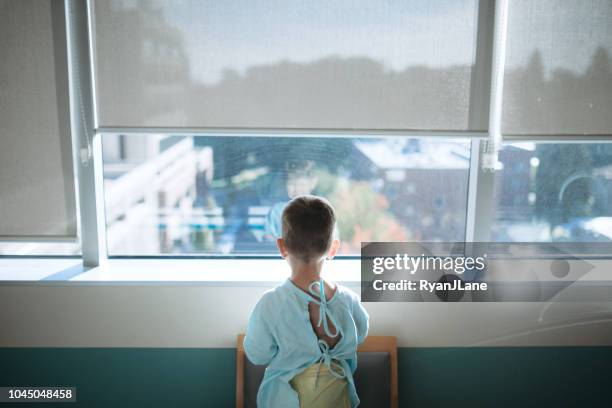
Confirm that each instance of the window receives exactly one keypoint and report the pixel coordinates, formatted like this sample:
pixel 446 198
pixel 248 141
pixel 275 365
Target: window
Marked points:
pixel 224 195
pixel 554 192
pixel 213 114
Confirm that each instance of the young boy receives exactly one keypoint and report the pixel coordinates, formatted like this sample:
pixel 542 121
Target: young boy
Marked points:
pixel 307 330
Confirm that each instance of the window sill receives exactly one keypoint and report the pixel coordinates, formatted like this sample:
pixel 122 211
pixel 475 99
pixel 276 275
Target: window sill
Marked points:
pixel 218 272
pixel 35 269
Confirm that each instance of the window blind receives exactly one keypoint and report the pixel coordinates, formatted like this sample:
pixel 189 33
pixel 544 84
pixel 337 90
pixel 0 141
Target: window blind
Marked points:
pixel 286 64
pixel 558 77
pixel 37 195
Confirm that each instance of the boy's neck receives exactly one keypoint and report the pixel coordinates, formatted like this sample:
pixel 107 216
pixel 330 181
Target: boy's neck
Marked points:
pixel 303 274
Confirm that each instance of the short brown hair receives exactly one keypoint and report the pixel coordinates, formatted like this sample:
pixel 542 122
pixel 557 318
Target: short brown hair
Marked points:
pixel 308 226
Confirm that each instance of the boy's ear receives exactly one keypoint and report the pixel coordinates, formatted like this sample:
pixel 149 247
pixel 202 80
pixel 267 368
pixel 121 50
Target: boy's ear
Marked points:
pixel 282 249
pixel 333 249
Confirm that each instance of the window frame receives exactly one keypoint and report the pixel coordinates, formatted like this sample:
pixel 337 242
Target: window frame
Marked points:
pixel 263 255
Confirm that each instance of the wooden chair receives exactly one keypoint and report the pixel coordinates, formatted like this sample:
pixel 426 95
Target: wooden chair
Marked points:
pixel 376 351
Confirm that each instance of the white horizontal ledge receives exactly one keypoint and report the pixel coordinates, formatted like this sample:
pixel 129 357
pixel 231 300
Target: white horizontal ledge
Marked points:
pixel 215 272
pixel 219 271
pixel 34 269
pixel 223 272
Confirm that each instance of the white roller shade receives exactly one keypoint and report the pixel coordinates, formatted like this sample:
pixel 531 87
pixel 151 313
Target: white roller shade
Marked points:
pixel 37 197
pixel 286 64
pixel 558 77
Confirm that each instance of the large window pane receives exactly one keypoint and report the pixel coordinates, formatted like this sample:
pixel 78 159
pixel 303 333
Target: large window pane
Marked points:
pixel 222 195
pixel 286 64
pixel 558 74
pixel 560 192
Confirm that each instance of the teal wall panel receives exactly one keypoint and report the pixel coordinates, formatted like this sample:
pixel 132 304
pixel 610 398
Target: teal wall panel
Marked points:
pixel 505 377
pixel 428 377
pixel 126 377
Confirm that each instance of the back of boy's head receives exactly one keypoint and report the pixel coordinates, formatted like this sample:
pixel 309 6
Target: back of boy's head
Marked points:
pixel 308 227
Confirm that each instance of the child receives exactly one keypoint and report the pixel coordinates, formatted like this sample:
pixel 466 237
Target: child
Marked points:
pixel 307 330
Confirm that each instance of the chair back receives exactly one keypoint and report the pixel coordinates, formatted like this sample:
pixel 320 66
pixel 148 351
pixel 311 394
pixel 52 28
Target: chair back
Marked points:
pixel 375 377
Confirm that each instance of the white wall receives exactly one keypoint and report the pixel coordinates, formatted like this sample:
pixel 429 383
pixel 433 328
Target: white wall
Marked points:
pixel 210 314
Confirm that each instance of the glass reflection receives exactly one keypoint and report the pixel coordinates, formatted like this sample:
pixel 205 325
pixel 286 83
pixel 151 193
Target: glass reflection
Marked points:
pixel 225 195
pixel 559 192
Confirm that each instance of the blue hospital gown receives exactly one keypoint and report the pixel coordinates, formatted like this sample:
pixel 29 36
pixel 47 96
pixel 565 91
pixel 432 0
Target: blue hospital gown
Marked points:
pixel 280 335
